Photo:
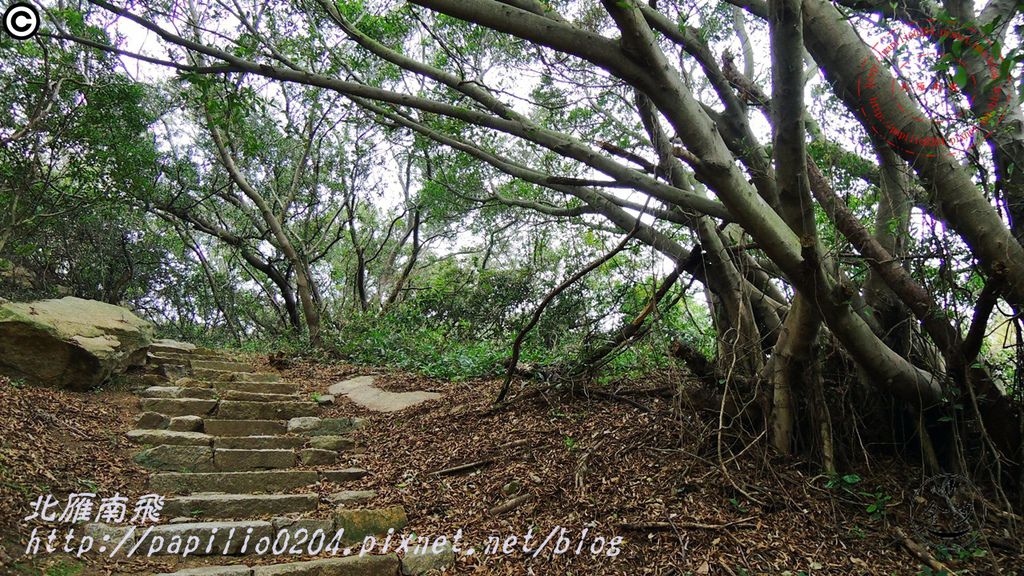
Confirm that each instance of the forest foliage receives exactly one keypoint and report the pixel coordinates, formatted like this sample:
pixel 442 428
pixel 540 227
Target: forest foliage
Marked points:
pixel 405 183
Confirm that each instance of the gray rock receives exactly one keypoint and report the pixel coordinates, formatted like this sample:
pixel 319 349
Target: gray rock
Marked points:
pixel 186 424
pixel 233 570
pixel 232 482
pixel 177 458
pixel 229 536
pixel 179 406
pixel 362 391
pixel 168 437
pixel 344 475
pixel 70 343
pixel 215 427
pixel 242 460
pixel 427 559
pixel 165 345
pixel 260 442
pixel 310 524
pixel 303 424
pixel 161 392
pixel 325 399
pixel 239 410
pixel 369 565
pixel 332 443
pixel 350 498
pixel 239 505
pixel 361 522
pixel 153 420
pixel 335 426
pixel 317 457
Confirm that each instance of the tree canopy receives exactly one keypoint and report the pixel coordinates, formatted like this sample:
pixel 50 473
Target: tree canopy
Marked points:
pixel 817 206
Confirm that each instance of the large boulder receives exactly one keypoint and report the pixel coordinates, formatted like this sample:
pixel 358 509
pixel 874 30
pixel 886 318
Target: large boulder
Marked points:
pixel 70 343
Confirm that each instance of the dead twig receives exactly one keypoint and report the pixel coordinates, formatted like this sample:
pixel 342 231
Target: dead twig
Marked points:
pixel 510 505
pixel 922 553
pixel 470 466
pixel 659 526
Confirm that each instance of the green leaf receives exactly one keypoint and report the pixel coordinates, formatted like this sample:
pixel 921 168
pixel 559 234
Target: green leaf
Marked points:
pixel 960 77
pixel 957 48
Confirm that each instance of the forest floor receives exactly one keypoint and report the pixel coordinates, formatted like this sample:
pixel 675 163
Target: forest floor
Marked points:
pixel 550 460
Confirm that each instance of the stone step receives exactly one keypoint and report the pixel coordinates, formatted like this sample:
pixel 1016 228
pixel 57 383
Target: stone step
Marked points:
pixel 169 437
pixel 167 360
pixel 233 376
pixel 258 387
pixel 225 506
pixel 179 406
pixel 267 481
pixel 242 460
pixel 225 365
pixel 191 458
pixel 219 427
pixel 171 347
pixel 314 426
pixel 241 410
pixel 180 392
pixel 258 396
pixel 369 565
pixel 177 458
pixel 361 522
pixel 232 482
pixel 261 442
pixel 351 498
pixel 343 475
pixel 209 538
pixel 242 537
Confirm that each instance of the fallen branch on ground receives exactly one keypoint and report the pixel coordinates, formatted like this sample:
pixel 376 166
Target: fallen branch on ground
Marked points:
pixel 470 466
pixel 923 554
pixel 510 505
pixel 660 526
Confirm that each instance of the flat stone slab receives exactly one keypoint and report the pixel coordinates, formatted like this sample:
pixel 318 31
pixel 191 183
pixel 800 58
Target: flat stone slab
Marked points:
pixel 152 420
pixel 260 442
pixel 161 392
pixel 226 365
pixel 343 475
pixel 232 482
pixel 362 391
pixel 170 437
pixel 332 443
pixel 176 458
pixel 222 386
pixel 186 424
pixel 216 427
pixel 238 505
pixel 228 538
pixel 233 376
pixel 179 406
pixel 317 457
pixel 233 570
pixel 324 426
pixel 361 522
pixel 258 396
pixel 166 345
pixel 231 460
pixel 350 498
pixel 239 410
pixel 349 566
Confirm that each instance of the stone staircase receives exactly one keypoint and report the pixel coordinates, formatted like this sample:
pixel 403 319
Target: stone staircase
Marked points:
pixel 240 456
